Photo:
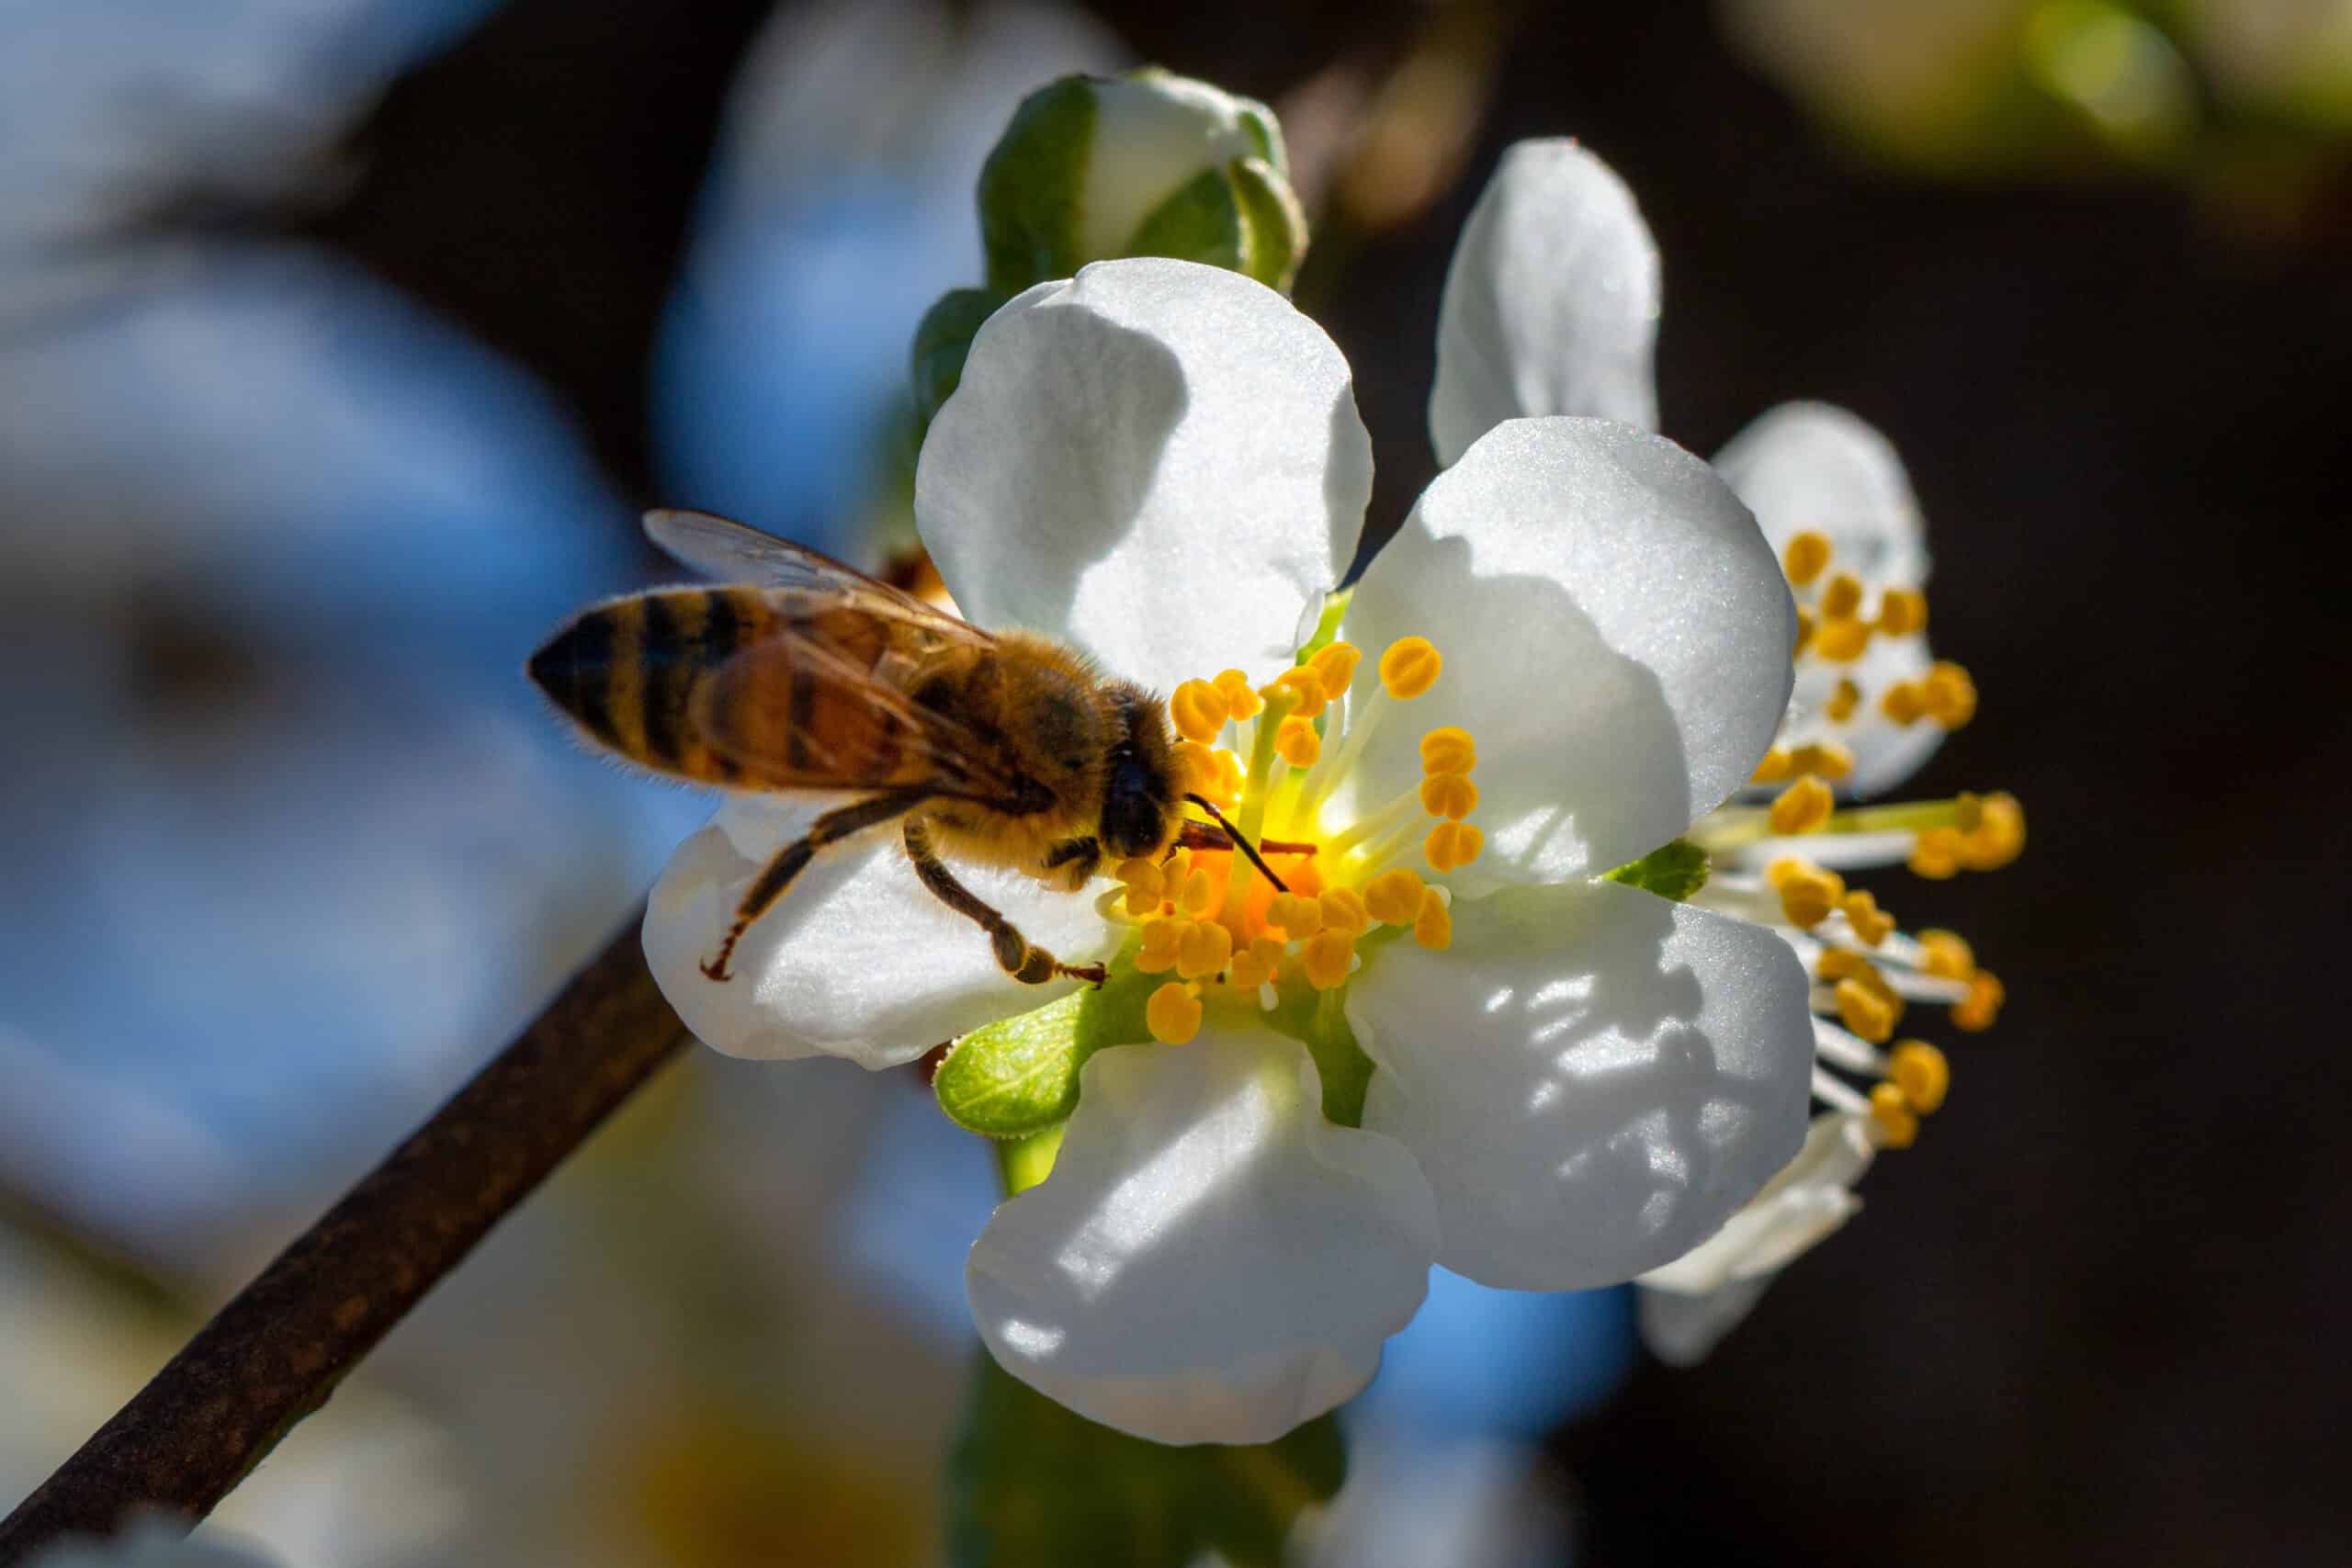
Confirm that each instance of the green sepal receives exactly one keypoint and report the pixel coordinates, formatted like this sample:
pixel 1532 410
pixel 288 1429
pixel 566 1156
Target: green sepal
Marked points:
pixel 1672 871
pixel 1274 225
pixel 1313 1019
pixel 1032 1485
pixel 942 342
pixel 1029 186
pixel 1202 221
pixel 1019 1075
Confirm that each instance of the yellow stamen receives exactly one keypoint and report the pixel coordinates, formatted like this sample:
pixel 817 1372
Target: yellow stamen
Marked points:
pixel 1306 687
pixel 1998 836
pixel 1145 885
pixel 1829 759
pixel 1335 666
pixel 1251 968
pixel 1842 639
pixel 1216 773
pixel 1161 939
pixel 1842 702
pixel 1203 949
pixel 1452 845
pixel 1920 1070
pixel 1986 995
pixel 1451 795
pixel 1295 915
pixel 1448 750
pixel 1841 597
pixel 1902 611
pixel 1837 964
pixel 1433 927
pixel 1808 892
pixel 1198 710
pixel 1947 956
pixel 1905 702
pixel 1894 1125
pixel 1241 700
pixel 1805 557
pixel 1870 1010
pixel 1772 769
pixel 1950 694
pixel 1936 853
pixel 1326 957
pixel 1174 1013
pixel 1298 743
pixel 1200 894
pixel 1862 913
pixel 1344 910
pixel 1409 667
pixel 1802 807
pixel 1394 898
pixel 1807 623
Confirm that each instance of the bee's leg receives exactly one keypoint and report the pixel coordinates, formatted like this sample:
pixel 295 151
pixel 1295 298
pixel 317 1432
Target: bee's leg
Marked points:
pixel 1083 856
pixel 1030 966
pixel 830 829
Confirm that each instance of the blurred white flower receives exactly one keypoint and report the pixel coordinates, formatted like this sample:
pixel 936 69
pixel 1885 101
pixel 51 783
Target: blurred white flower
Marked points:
pixel 147 1543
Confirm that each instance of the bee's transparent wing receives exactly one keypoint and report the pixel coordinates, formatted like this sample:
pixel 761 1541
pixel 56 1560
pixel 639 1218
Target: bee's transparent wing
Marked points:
pixel 730 551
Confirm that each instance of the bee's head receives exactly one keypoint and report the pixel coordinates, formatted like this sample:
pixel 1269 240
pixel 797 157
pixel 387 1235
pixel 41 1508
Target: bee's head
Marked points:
pixel 1139 781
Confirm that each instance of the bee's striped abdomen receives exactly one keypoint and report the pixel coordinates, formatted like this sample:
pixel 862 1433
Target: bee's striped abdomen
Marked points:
pixel 626 671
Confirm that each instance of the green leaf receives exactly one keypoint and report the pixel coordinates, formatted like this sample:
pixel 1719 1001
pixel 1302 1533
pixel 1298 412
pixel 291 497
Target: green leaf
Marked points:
pixel 942 342
pixel 1020 1076
pixel 1032 1485
pixel 1673 870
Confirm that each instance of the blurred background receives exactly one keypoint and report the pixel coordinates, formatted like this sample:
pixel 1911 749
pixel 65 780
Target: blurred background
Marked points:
pixel 341 339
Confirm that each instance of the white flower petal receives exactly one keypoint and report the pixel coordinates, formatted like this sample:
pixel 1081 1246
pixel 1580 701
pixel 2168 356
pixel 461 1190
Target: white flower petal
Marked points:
pixel 1681 1330
pixel 1812 1196
pixel 857 959
pixel 1593 1079
pixel 1551 303
pixel 1157 460
pixel 1815 465
pixel 1616 638
pixel 1211 1260
pixel 1885 752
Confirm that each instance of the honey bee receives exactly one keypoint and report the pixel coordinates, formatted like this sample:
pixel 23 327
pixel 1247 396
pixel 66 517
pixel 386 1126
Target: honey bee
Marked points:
pixel 807 676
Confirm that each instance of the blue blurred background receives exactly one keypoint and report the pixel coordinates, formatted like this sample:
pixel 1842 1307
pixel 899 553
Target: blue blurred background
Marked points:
pixel 340 341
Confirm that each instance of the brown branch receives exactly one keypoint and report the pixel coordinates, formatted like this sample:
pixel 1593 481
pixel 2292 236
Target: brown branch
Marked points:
pixel 276 1352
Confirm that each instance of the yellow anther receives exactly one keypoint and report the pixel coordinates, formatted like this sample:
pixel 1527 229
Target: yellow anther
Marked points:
pixel 1250 969
pixel 1841 597
pixel 1829 759
pixel 1409 667
pixel 1949 694
pixel 1841 640
pixel 1204 948
pixel 1986 995
pixel 1344 910
pixel 1335 666
pixel 1177 866
pixel 1947 955
pixel 1804 555
pixel 1162 936
pixel 1450 796
pixel 1905 702
pixel 1807 623
pixel 1268 950
pixel 1803 807
pixel 1198 710
pixel 1920 1070
pixel 1326 958
pixel 1448 750
pixel 1203 890
pixel 1842 702
pixel 1772 769
pixel 1297 916
pixel 1935 855
pixel 1298 743
pixel 1871 927
pixel 1840 964
pixel 1241 700
pixel 1433 927
pixel 1305 691
pixel 1174 1013
pixel 1894 1125
pixel 1902 611
pixel 1144 885
pixel 1870 1011
pixel 1394 898
pixel 1808 892
pixel 1998 836
pixel 1452 845
pixel 1216 773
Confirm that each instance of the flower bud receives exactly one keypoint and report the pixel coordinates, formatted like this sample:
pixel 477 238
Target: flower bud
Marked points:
pixel 1144 165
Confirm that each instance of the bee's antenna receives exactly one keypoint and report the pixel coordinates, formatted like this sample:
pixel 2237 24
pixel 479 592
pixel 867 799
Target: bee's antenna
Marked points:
pixel 1239 842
